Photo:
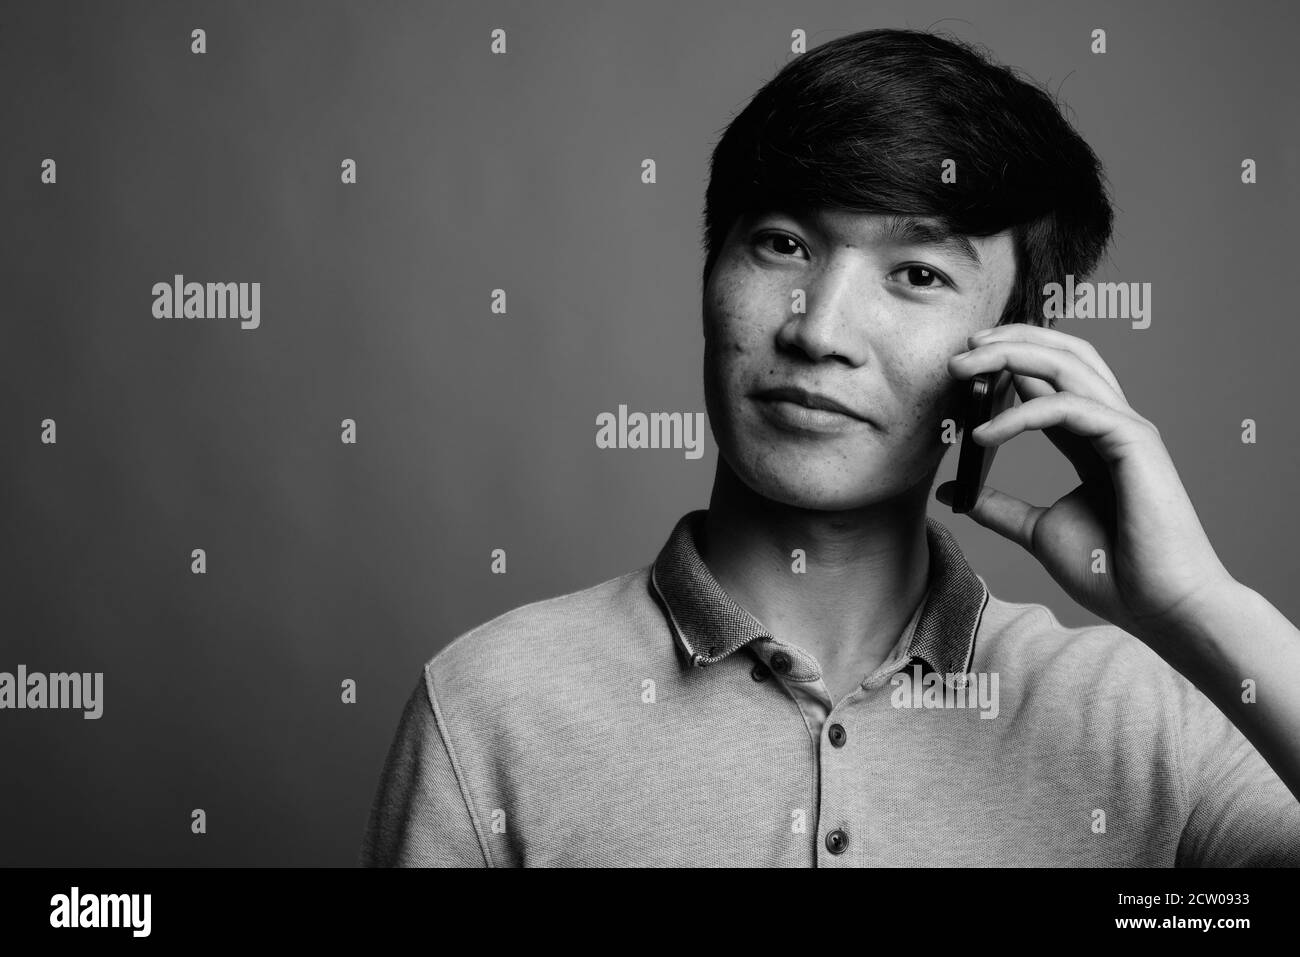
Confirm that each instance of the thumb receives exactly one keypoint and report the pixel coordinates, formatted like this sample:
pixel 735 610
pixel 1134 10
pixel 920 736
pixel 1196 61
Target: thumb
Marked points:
pixel 1005 514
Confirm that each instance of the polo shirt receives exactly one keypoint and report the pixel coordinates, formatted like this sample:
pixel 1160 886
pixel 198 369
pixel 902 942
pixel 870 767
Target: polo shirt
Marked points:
pixel 649 720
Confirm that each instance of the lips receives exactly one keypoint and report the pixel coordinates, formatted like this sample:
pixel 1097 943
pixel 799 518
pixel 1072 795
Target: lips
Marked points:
pixel 809 400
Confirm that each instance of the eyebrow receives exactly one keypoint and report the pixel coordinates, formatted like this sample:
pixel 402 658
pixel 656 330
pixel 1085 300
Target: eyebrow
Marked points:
pixel 910 231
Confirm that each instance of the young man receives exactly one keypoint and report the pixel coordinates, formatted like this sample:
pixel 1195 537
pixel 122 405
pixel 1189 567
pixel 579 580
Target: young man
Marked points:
pixel 810 673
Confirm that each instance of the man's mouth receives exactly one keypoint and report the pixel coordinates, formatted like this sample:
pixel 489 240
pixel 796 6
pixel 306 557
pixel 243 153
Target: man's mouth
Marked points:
pixel 803 410
pixel 809 400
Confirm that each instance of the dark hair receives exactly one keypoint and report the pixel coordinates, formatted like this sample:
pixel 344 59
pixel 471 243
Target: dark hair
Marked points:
pixel 864 123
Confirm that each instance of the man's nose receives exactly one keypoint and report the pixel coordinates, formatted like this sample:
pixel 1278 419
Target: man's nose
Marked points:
pixel 833 323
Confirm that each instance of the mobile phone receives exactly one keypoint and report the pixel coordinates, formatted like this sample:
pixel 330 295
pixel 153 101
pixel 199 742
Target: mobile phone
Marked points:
pixel 989 393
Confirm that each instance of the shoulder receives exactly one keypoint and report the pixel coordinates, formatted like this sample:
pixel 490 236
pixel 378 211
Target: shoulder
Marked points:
pixel 1096 688
pixel 1028 641
pixel 546 639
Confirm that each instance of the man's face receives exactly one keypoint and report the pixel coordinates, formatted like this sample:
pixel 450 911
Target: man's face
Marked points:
pixel 882 315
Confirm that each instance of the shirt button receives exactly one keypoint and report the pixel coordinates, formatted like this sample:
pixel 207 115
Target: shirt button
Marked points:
pixel 781 663
pixel 759 672
pixel 837 841
pixel 837 735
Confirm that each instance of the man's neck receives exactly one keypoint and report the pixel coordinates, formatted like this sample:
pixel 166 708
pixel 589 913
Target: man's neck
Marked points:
pixel 866 571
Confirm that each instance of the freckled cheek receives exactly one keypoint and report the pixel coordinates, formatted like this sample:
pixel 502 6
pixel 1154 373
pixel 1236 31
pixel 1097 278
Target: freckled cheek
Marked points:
pixel 927 406
pixel 741 302
pixel 726 357
pixel 733 339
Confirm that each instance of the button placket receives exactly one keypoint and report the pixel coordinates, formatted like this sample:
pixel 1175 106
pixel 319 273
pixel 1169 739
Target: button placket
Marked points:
pixel 840 777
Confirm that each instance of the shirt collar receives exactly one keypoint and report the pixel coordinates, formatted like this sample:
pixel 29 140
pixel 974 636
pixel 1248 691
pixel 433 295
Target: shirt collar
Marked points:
pixel 708 625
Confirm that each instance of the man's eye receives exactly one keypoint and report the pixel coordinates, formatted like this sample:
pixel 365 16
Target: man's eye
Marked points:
pixel 922 277
pixel 782 244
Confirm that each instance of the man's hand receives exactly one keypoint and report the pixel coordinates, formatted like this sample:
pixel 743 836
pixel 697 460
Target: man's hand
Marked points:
pixel 1163 584
pixel 1161 571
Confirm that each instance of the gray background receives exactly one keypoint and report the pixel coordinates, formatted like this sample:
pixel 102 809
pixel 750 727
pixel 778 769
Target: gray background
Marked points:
pixel 476 431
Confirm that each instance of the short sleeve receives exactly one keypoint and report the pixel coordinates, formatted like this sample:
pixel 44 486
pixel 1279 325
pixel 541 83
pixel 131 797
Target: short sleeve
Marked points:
pixel 1241 814
pixel 420 817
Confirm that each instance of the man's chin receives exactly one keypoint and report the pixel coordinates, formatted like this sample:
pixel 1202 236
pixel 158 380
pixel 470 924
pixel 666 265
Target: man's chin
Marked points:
pixel 818 493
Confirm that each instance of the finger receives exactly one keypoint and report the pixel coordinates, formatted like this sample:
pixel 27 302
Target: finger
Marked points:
pixel 1027 387
pixel 1060 368
pixel 1081 348
pixel 1088 465
pixel 1078 451
pixel 1110 430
